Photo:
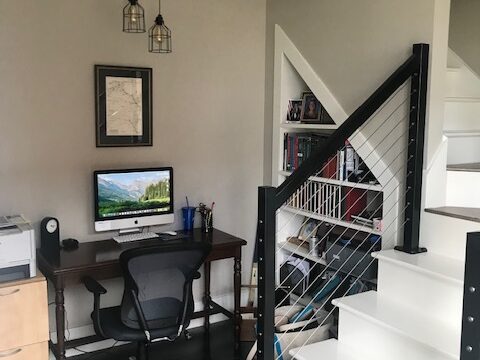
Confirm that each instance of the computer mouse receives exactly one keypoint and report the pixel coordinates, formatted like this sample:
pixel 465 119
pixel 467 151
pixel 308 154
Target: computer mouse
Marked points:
pixel 70 244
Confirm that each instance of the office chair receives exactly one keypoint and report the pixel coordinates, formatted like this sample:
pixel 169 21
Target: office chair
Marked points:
pixel 157 302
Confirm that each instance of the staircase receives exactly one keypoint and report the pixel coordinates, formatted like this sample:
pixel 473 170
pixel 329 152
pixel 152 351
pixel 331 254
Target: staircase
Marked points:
pixel 416 313
pixel 462 112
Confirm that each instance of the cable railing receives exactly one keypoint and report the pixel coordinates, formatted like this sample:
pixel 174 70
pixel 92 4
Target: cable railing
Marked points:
pixel 318 229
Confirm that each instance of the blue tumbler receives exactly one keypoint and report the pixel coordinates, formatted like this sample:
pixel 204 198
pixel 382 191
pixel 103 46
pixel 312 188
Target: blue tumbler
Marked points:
pixel 188 218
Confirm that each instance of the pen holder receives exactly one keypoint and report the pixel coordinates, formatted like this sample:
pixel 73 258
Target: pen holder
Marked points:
pixel 207 221
pixel 188 218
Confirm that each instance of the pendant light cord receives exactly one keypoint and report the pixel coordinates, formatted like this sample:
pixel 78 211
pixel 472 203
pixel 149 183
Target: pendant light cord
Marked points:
pixel 159 6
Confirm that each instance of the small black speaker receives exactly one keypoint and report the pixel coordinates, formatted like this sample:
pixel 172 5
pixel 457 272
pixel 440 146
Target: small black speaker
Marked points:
pixel 50 238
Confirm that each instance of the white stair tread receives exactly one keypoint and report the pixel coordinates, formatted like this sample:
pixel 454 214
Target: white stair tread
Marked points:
pixel 404 321
pixel 428 263
pixel 328 350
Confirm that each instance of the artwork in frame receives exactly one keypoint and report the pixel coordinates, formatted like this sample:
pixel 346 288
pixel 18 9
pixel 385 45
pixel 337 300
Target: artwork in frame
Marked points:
pixel 311 108
pixel 294 110
pixel 123 101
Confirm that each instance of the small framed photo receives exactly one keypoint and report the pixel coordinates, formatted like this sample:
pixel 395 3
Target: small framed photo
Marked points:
pixel 294 110
pixel 123 106
pixel 308 230
pixel 311 108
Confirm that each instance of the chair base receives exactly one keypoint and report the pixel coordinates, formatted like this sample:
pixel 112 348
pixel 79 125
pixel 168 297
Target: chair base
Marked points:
pixel 142 351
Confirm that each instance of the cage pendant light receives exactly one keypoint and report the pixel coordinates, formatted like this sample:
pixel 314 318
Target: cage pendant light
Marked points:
pixel 159 35
pixel 133 17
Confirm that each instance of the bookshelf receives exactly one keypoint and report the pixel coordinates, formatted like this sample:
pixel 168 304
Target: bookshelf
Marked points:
pixel 303 126
pixel 293 76
pixel 371 187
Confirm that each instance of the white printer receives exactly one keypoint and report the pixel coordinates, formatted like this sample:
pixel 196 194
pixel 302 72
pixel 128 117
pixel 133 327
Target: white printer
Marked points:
pixel 17 249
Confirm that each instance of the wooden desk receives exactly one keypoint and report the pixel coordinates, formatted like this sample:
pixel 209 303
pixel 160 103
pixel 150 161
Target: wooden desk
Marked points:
pixel 99 259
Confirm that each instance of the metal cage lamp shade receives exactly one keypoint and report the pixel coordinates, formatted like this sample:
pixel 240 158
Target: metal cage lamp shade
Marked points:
pixel 159 37
pixel 133 17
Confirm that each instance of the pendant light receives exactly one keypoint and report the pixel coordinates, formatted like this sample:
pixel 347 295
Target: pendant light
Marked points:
pixel 159 35
pixel 133 17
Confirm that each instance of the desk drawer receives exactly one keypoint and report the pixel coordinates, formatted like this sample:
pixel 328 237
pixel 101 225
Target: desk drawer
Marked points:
pixel 30 352
pixel 23 314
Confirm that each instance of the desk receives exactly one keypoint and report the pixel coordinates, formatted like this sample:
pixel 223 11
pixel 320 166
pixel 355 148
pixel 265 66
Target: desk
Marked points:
pixel 99 259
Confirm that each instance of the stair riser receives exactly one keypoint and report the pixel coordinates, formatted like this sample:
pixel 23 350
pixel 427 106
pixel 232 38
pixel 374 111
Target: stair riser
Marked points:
pixel 432 296
pixel 462 116
pixel 445 235
pixel 462 83
pixel 463 189
pixel 463 150
pixel 380 342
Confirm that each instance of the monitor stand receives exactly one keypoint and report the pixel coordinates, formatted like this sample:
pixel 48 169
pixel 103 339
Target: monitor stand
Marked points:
pixel 130 231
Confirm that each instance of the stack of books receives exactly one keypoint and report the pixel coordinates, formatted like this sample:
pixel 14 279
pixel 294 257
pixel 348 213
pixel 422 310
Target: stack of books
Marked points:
pixel 298 147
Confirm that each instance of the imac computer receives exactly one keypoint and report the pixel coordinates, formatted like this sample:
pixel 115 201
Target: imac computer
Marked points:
pixel 127 200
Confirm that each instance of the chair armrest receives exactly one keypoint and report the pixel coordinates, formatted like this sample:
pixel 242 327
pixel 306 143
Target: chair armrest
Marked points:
pixel 94 286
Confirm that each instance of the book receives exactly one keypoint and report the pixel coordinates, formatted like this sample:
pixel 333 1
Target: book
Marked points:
pixel 298 147
pixel 330 168
pixel 354 202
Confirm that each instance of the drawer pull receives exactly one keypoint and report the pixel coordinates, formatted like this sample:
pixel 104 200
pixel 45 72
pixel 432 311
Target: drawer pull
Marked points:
pixel 9 353
pixel 10 293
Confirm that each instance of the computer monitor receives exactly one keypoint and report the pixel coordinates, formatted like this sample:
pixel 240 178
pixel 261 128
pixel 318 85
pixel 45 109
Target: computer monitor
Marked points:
pixel 133 198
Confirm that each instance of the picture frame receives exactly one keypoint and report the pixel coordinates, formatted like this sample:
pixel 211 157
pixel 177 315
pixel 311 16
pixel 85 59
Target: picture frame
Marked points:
pixel 308 230
pixel 294 113
pixel 311 108
pixel 123 106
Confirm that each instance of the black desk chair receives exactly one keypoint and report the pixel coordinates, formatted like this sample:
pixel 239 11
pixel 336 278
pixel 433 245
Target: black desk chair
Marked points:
pixel 157 302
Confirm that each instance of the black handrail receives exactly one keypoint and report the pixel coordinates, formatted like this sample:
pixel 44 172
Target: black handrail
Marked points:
pixel 270 199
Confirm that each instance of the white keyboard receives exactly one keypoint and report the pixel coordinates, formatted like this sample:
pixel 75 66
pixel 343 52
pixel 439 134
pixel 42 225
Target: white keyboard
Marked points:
pixel 135 237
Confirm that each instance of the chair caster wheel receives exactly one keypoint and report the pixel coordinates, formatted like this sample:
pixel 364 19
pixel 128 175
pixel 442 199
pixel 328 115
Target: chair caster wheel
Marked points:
pixel 188 336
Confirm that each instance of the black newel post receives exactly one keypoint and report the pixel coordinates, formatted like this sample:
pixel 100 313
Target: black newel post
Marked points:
pixel 416 142
pixel 266 272
pixel 470 349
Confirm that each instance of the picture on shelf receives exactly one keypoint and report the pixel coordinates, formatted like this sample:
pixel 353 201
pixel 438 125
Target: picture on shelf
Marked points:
pixel 308 230
pixel 311 108
pixel 294 110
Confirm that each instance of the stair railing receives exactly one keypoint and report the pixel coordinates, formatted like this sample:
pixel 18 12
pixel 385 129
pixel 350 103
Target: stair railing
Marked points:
pixel 306 184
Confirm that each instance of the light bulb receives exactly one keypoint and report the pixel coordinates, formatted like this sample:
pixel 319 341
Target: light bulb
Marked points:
pixel 157 34
pixel 133 12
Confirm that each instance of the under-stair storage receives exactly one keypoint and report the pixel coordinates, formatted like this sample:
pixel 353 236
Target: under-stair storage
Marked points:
pixel 344 191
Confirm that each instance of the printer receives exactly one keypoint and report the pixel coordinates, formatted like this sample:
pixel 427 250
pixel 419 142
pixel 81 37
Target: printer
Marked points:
pixel 17 251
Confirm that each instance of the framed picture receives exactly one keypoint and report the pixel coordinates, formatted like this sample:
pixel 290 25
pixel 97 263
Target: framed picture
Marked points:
pixel 123 106
pixel 294 110
pixel 311 108
pixel 308 230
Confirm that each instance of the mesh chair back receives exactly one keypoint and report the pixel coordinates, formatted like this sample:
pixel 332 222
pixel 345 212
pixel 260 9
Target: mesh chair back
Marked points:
pixel 161 277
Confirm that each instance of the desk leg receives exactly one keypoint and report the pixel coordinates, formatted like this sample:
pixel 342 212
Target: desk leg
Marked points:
pixel 237 278
pixel 207 298
pixel 60 320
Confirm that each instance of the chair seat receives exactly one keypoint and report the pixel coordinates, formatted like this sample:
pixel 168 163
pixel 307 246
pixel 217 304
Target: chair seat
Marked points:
pixel 113 327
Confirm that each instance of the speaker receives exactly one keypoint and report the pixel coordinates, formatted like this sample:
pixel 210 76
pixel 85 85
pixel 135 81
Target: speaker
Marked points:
pixel 50 238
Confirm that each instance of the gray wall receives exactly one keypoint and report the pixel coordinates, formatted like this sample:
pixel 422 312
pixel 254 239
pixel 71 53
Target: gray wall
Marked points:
pixel 465 31
pixel 352 45
pixel 208 112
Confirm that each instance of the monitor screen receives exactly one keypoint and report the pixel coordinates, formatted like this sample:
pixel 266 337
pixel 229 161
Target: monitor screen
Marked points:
pixel 121 194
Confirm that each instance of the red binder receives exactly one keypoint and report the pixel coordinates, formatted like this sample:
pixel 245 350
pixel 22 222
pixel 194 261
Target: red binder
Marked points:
pixel 355 202
pixel 330 168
